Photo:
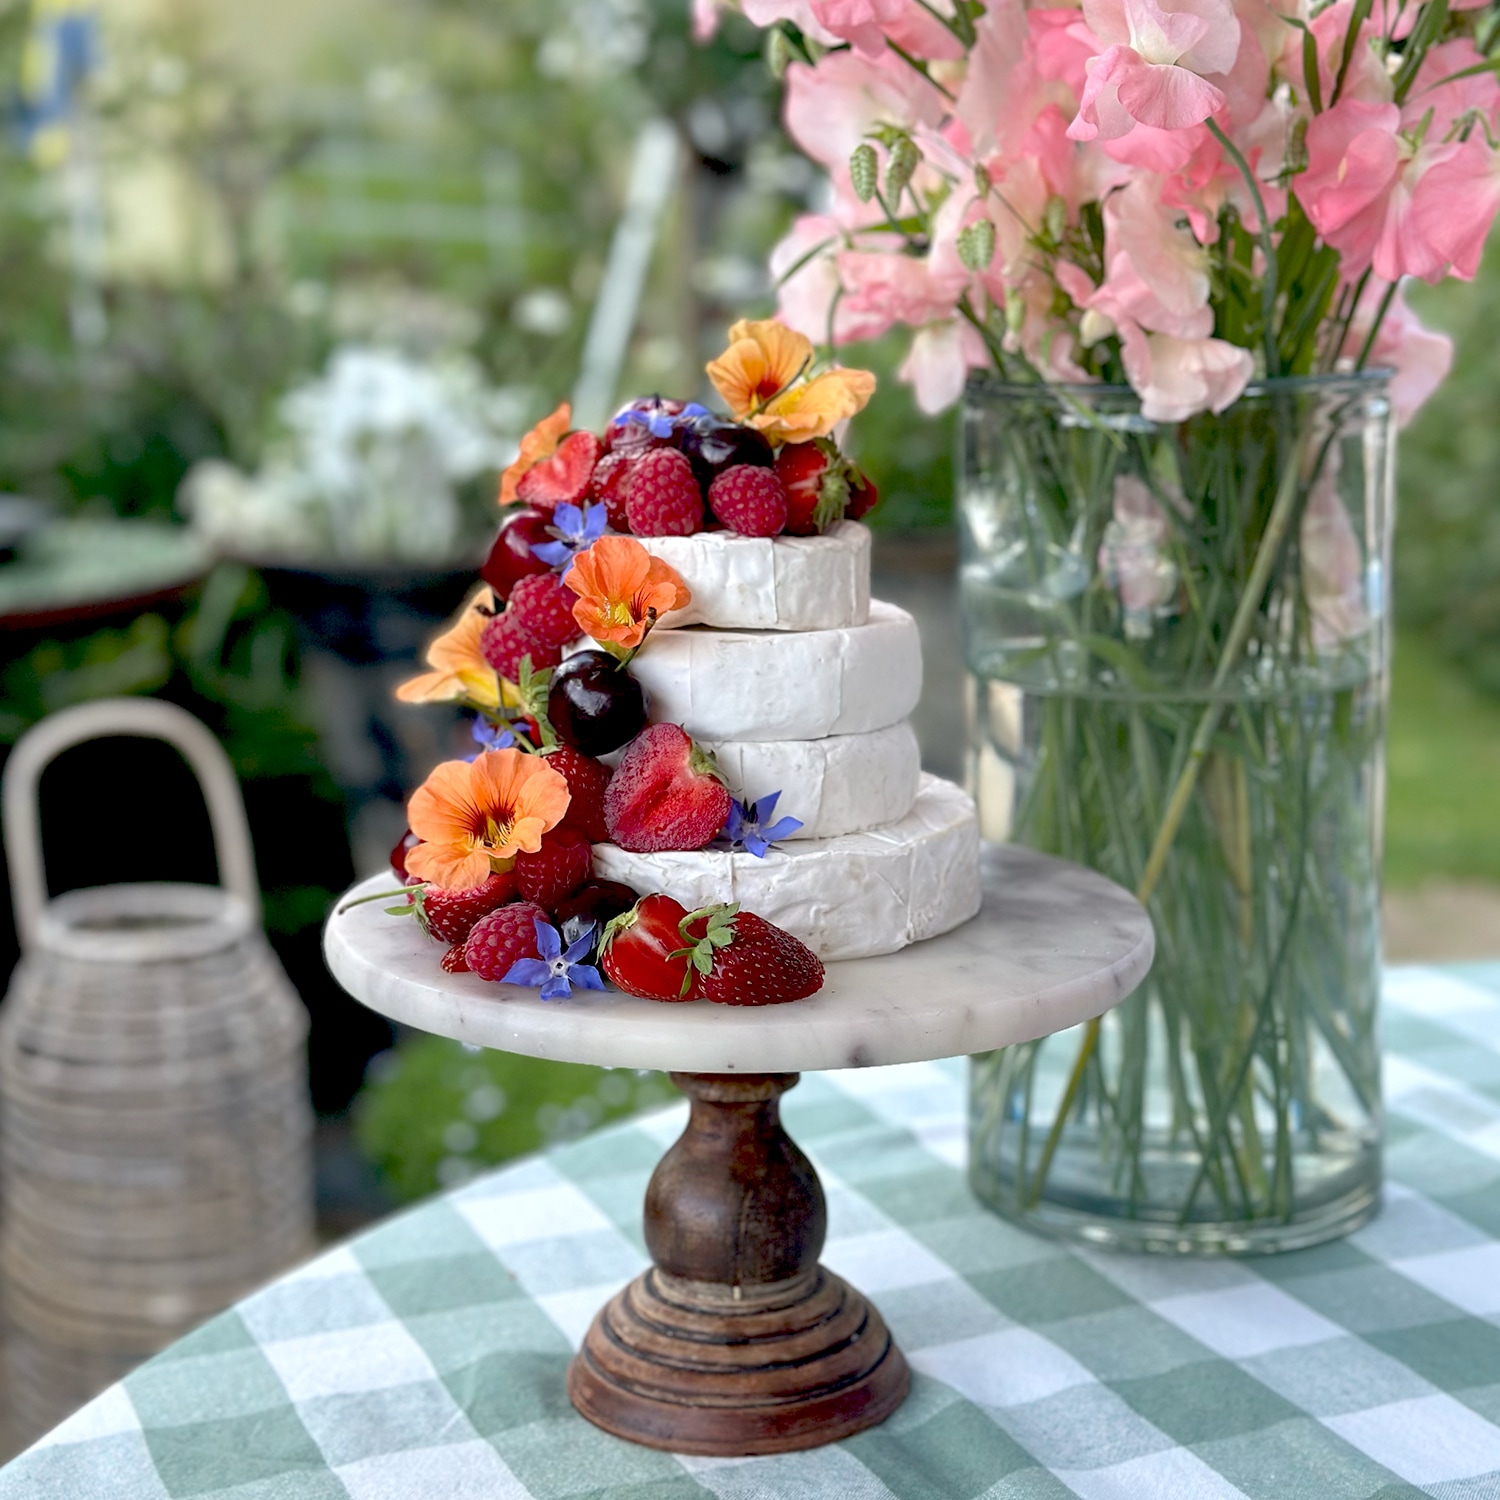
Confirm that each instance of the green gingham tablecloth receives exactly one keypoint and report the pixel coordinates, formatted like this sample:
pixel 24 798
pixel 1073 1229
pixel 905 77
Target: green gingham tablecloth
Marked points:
pixel 425 1358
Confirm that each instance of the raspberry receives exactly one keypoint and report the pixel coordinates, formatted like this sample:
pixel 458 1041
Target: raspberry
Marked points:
pixel 449 916
pixel 505 640
pixel 662 496
pixel 543 604
pixel 587 779
pixel 608 486
pixel 557 869
pixel 453 961
pixel 499 939
pixel 749 500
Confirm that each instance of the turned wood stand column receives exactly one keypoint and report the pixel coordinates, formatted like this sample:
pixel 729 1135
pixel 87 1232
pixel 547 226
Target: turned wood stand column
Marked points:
pixel 736 1341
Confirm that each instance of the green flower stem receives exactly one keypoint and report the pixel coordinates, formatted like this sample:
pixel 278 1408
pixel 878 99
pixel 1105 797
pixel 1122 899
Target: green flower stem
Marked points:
pixel 1282 511
pixel 1268 287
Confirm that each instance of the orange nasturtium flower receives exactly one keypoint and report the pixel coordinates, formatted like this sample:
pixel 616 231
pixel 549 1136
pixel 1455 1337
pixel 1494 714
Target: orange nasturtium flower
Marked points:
pixel 459 668
pixel 622 591
pixel 476 816
pixel 765 377
pixel 541 442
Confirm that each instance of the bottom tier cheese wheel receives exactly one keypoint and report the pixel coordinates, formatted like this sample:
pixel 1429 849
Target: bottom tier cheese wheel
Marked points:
pixel 848 897
pixel 843 784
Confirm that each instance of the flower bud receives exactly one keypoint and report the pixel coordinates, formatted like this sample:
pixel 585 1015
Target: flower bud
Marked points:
pixel 1055 218
pixel 976 245
pixel 904 161
pixel 864 171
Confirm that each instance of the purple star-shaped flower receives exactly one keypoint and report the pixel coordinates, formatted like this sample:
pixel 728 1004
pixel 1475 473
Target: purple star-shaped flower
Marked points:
pixel 490 737
pixel 750 825
pixel 659 423
pixel 556 971
pixel 573 530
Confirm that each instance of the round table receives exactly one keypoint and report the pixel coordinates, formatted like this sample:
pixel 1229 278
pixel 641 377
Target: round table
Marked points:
pixel 737 1341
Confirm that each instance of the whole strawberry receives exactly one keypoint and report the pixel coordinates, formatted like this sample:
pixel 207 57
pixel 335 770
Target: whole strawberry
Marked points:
pixel 742 959
pixel 862 496
pixel 505 641
pixel 557 869
pixel 817 479
pixel 543 605
pixel 662 497
pixel 563 478
pixel 645 953
pixel 665 794
pixel 498 940
pixel 453 961
pixel 750 500
pixel 587 779
pixel 449 916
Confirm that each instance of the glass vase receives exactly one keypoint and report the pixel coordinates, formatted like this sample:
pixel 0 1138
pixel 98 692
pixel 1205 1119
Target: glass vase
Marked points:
pixel 1177 636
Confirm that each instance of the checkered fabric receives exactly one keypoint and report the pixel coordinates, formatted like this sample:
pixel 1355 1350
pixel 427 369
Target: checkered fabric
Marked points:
pixel 425 1358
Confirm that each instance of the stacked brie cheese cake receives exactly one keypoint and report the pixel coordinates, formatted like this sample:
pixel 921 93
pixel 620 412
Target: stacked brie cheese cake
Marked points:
pixel 799 683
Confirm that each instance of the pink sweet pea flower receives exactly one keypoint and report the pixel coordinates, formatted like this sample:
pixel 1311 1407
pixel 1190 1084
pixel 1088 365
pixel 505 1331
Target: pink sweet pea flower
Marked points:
pixel 831 108
pixel 1418 358
pixel 1178 378
pixel 939 361
pixel 1453 207
pixel 799 12
pixel 1150 71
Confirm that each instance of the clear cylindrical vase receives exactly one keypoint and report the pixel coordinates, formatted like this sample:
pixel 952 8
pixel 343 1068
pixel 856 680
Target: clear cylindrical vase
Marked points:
pixel 1177 636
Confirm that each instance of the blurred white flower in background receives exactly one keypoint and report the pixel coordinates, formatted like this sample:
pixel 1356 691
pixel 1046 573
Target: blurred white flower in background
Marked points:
pixel 366 465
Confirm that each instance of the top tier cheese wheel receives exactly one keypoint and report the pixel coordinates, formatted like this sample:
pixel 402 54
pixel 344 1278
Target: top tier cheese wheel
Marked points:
pixel 771 583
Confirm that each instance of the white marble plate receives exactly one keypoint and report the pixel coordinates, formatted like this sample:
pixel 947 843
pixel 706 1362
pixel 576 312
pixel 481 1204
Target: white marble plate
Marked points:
pixel 1053 945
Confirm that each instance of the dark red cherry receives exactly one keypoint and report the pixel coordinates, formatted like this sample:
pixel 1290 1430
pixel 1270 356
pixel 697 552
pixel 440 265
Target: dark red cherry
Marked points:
pixel 594 703
pixel 594 901
pixel 714 445
pixel 637 437
pixel 511 558
pixel 407 842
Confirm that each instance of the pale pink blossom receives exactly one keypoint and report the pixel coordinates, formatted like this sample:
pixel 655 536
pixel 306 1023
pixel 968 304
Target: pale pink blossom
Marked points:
pixel 832 107
pixel 1150 71
pixel 1418 357
pixel 1132 556
pixel 884 288
pixel 861 22
pixel 1333 564
pixel 799 12
pixel 938 363
pixel 1178 378
pixel 806 274
pixel 1383 199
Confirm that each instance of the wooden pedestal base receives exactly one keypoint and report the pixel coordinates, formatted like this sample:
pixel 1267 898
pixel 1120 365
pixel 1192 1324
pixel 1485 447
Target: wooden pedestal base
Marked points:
pixel 736 1341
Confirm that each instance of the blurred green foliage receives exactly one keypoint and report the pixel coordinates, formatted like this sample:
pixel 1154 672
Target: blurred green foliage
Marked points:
pixel 434 1113
pixel 1447 559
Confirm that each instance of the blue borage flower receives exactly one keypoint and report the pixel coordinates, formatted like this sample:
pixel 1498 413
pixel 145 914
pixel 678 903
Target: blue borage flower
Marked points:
pixel 556 971
pixel 750 827
pixel 661 424
pixel 573 530
pixel 490 736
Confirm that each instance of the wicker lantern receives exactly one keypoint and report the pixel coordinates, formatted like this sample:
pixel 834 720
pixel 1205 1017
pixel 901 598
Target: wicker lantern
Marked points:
pixel 154 1119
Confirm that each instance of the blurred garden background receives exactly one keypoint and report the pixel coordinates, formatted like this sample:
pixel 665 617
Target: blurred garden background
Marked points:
pixel 281 285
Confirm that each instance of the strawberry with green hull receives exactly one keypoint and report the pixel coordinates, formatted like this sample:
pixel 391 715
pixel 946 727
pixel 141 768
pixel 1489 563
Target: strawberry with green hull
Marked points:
pixel 822 487
pixel 449 916
pixel 742 959
pixel 642 950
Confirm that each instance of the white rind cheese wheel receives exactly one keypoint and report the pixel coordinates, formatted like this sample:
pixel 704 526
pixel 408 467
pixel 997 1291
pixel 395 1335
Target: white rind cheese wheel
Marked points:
pixel 770 583
pixel 765 685
pixel 848 897
pixel 843 784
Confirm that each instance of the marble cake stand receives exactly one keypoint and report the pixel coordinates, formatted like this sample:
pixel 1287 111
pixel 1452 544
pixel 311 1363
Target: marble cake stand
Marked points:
pixel 736 1341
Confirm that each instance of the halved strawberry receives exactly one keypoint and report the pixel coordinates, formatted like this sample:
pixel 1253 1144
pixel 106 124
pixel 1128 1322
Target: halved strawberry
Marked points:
pixel 564 477
pixel 644 952
pixel 665 794
pixel 742 959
